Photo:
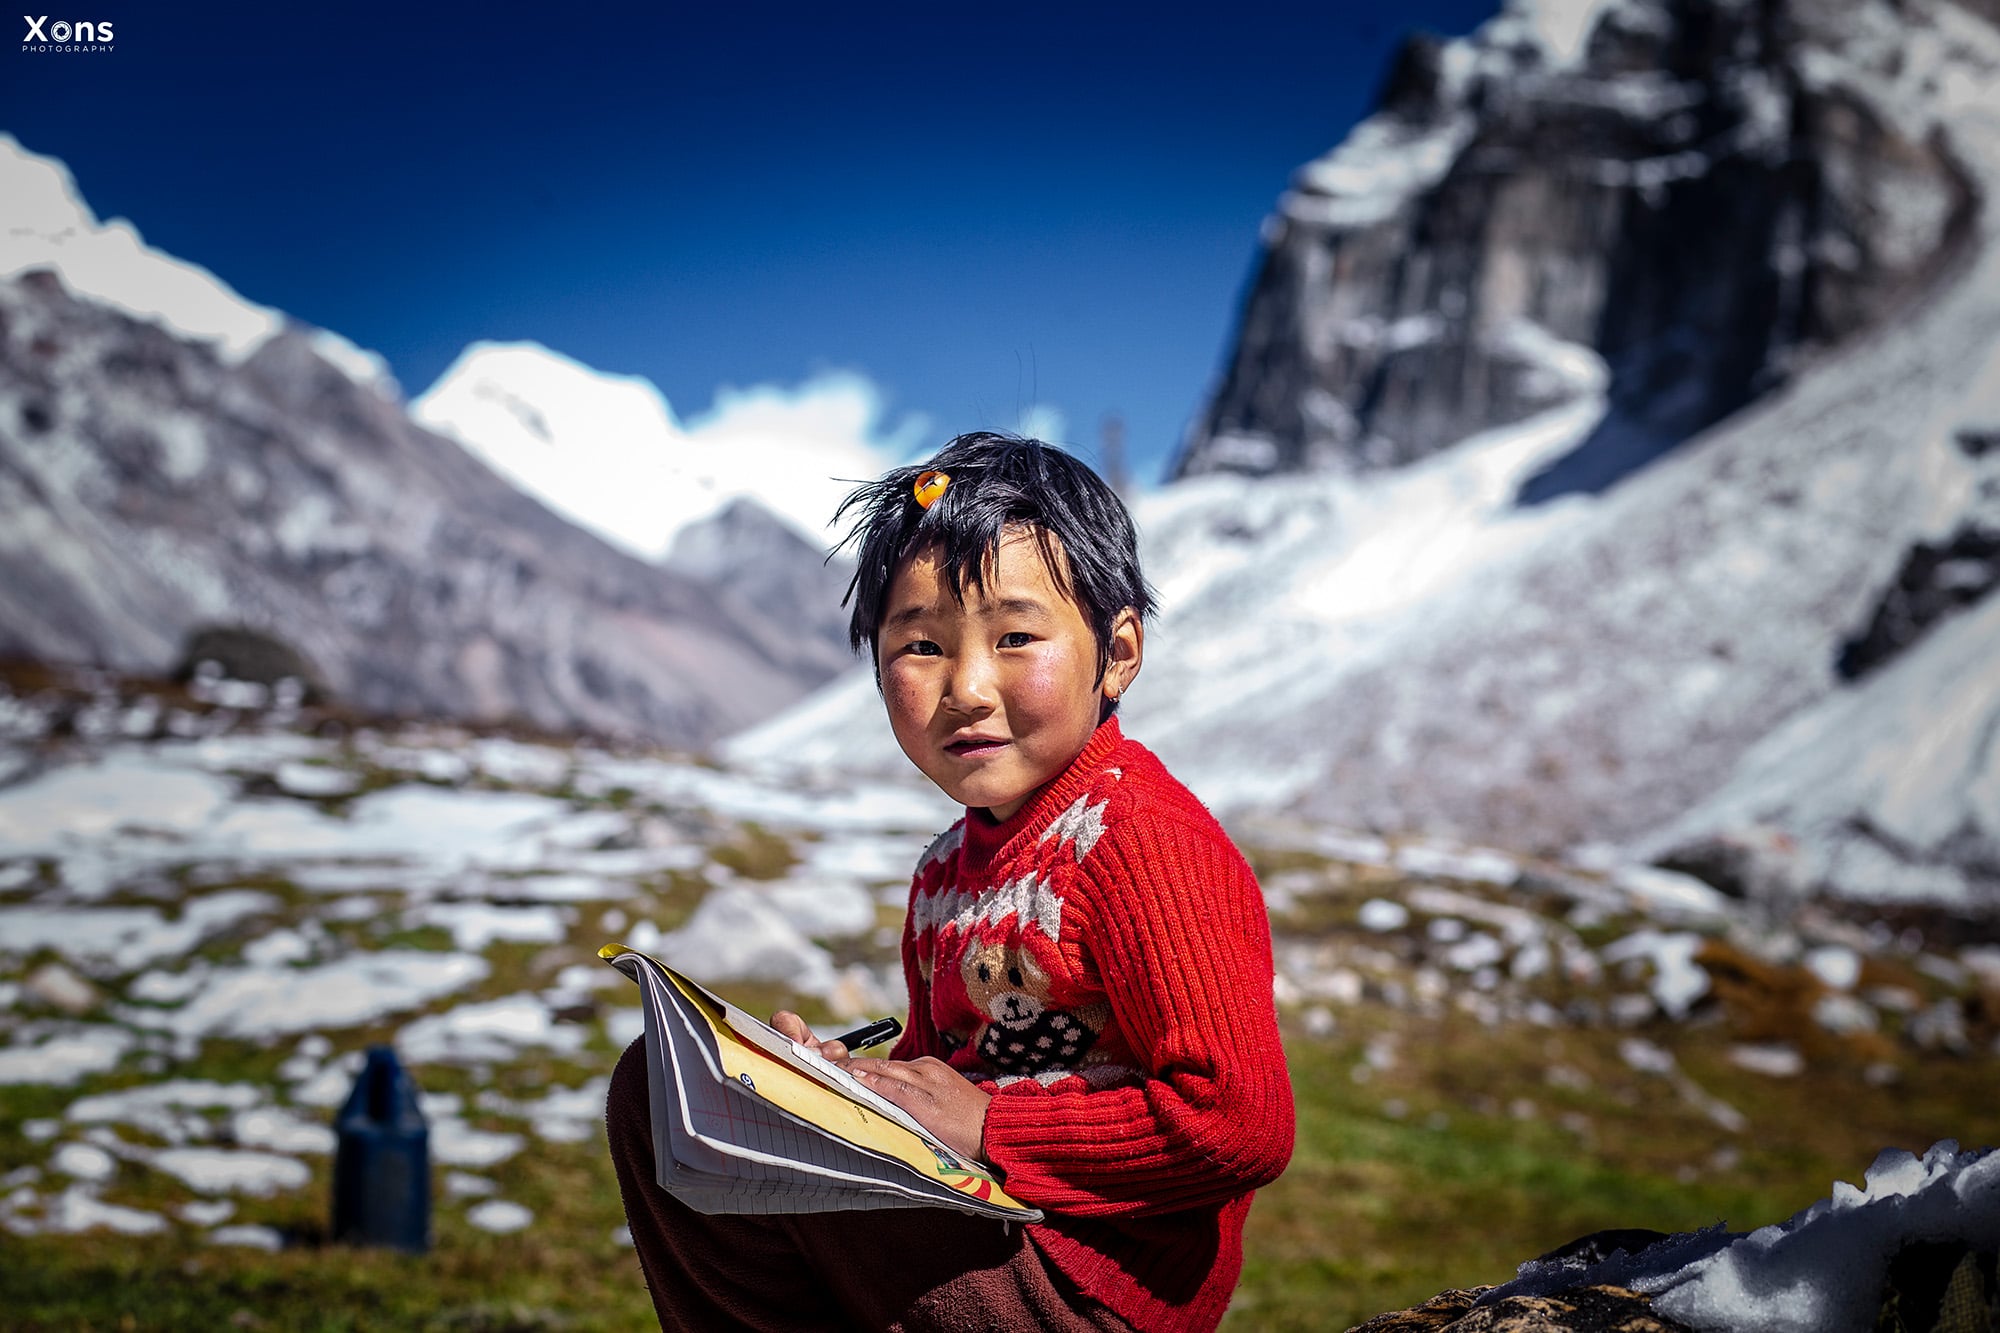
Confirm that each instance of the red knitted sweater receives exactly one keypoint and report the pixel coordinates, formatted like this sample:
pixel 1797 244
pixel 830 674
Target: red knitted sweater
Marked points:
pixel 1101 962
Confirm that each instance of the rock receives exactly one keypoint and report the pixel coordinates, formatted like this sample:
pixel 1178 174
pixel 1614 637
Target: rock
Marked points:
pixel 1844 1015
pixel 1941 1027
pixel 1774 1060
pixel 239 652
pixel 1936 580
pixel 1753 862
pixel 1675 192
pixel 1602 1309
pixel 56 985
pixel 1439 1312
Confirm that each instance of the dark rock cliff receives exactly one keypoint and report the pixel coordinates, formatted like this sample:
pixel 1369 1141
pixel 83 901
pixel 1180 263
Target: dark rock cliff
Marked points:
pixel 1684 194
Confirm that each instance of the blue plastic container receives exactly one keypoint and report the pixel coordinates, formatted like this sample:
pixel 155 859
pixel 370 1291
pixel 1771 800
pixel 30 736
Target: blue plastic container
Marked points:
pixel 382 1170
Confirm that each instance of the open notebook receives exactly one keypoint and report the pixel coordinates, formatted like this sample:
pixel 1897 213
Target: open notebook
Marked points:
pixel 745 1121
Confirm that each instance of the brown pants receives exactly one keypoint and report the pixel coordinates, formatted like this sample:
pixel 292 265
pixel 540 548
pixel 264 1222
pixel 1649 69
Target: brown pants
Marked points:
pixel 903 1269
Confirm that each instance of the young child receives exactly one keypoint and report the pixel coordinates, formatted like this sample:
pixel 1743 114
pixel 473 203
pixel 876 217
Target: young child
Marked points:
pixel 1087 954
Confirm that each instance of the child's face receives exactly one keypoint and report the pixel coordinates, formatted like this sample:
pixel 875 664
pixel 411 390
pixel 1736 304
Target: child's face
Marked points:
pixel 992 699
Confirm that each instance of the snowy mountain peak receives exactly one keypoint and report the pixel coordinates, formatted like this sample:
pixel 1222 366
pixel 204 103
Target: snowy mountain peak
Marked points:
pixel 608 452
pixel 47 224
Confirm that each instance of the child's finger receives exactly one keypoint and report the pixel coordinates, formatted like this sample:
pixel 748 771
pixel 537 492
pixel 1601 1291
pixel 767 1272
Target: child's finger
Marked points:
pixel 794 1027
pixel 902 1092
pixel 880 1074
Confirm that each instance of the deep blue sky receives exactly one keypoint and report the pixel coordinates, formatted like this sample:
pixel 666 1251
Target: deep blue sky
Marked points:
pixel 978 209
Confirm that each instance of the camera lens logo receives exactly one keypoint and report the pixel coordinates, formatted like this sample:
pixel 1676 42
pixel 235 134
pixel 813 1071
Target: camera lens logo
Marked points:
pixel 66 34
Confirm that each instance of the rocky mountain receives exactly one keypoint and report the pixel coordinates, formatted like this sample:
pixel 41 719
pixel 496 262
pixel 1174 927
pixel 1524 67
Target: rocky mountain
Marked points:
pixel 173 457
pixel 766 575
pixel 1691 189
pixel 1778 635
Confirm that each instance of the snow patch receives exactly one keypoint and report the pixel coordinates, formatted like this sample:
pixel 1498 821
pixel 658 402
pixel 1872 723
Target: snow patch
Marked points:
pixel 474 925
pixel 491 1031
pixel 224 1171
pixel 78 1209
pixel 248 1235
pixel 65 1057
pixel 85 1161
pixel 1383 163
pixel 739 934
pixel 264 1002
pixel 455 1143
pixel 1677 981
pixel 499 1216
pixel 125 938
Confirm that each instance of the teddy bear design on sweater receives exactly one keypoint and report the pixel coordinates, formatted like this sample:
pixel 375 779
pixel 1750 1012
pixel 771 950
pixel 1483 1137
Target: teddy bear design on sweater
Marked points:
pixel 1023 1033
pixel 994 936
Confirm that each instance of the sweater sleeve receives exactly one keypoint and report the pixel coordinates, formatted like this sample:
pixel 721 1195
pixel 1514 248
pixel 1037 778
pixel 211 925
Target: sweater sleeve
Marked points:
pixel 1175 926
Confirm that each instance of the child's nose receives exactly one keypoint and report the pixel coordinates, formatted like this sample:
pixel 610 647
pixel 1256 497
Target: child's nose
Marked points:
pixel 973 687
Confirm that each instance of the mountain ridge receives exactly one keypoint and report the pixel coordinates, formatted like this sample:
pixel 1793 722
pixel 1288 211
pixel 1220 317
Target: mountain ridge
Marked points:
pixel 174 457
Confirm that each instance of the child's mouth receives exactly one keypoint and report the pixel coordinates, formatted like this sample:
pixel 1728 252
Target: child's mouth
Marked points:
pixel 967 749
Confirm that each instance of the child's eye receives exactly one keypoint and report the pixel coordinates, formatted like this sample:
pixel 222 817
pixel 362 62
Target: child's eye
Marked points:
pixel 924 648
pixel 1018 639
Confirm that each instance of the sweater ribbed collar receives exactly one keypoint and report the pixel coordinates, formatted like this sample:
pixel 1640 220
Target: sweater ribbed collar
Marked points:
pixel 986 841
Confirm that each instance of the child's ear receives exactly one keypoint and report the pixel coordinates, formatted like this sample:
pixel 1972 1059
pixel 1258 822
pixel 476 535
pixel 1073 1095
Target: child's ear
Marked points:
pixel 1127 650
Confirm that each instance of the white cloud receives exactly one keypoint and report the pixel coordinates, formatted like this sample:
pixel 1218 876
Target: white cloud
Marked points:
pixel 1044 421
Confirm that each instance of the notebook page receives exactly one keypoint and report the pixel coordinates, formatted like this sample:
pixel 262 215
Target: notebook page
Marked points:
pixel 757 1159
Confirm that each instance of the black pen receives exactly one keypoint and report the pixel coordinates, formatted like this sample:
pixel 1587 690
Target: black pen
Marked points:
pixel 871 1034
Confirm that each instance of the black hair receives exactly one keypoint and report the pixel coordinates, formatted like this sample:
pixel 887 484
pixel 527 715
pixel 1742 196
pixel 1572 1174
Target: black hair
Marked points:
pixel 998 483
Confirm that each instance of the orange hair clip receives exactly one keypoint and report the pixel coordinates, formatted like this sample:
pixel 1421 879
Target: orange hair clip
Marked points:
pixel 930 486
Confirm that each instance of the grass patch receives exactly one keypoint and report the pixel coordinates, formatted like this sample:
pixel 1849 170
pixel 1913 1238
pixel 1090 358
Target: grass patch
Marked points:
pixel 1423 1176
pixel 1462 1159
pixel 756 853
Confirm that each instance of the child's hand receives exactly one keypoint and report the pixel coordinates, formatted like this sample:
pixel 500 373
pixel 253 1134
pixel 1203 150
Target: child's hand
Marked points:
pixel 794 1027
pixel 941 1099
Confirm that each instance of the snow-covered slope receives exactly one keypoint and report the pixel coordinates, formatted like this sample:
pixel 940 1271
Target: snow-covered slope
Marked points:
pixel 1260 583
pixel 1408 650
pixel 608 453
pixel 1890 784
pixel 44 223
